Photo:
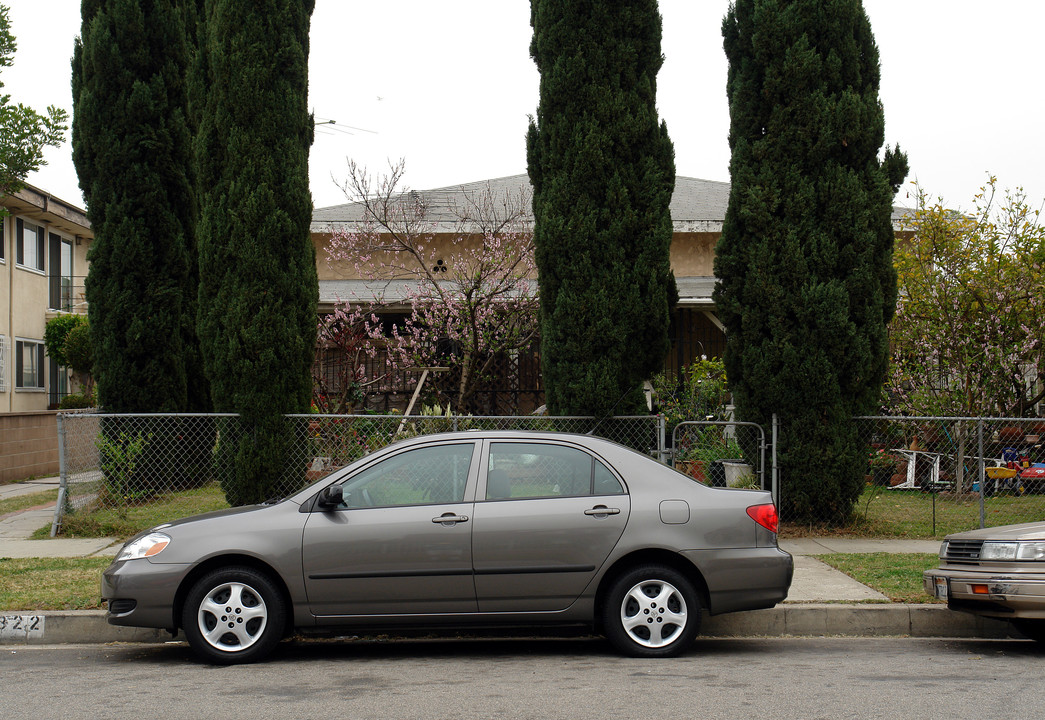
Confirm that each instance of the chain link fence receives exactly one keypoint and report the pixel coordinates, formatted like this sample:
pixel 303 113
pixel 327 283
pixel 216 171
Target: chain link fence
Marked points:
pixel 924 477
pixel 929 476
pixel 122 461
pixel 722 454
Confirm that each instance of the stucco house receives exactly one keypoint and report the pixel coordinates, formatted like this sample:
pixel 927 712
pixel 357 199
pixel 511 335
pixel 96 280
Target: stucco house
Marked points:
pixel 698 208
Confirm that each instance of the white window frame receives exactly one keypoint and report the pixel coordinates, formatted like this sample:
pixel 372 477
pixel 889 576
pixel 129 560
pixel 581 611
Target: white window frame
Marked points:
pixel 4 352
pixel 41 366
pixel 39 248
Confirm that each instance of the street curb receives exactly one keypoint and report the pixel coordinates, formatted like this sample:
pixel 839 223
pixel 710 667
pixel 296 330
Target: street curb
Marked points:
pixel 61 627
pixel 798 620
pixel 855 620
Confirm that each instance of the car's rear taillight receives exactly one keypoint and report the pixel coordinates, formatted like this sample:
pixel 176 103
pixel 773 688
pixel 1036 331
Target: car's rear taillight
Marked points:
pixel 765 515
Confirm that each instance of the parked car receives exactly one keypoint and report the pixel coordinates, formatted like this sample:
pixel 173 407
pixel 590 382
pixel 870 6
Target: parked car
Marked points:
pixel 996 572
pixel 461 530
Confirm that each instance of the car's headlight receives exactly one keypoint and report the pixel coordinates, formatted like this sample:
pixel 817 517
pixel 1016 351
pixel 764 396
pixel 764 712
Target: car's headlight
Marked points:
pixel 146 546
pixel 998 551
pixel 943 549
pixel 1031 551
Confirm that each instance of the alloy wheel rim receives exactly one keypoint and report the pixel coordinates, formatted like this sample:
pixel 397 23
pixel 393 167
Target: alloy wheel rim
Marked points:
pixel 653 613
pixel 232 617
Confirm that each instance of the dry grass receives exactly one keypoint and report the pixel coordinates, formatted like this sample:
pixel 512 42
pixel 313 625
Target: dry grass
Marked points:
pixel 126 521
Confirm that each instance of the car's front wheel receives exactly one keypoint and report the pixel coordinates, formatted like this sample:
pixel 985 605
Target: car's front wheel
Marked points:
pixel 652 611
pixel 234 615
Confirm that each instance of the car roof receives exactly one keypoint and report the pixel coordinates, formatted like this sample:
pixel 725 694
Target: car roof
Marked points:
pixel 543 435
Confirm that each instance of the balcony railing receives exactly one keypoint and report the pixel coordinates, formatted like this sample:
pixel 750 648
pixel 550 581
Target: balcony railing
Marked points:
pixel 66 294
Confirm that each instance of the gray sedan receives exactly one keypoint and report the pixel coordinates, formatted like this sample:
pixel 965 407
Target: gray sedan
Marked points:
pixel 461 530
pixel 995 572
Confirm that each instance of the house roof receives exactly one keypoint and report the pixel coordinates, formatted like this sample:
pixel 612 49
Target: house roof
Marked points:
pixel 36 204
pixel 696 205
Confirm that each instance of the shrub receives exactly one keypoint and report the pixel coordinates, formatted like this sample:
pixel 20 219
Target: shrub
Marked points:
pixel 702 394
pixel 77 401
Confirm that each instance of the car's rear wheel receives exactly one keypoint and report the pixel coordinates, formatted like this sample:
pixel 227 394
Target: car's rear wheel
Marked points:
pixel 1033 629
pixel 233 615
pixel 651 611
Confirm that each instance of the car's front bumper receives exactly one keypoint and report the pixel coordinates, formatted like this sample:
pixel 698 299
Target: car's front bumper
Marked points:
pixel 141 593
pixel 991 594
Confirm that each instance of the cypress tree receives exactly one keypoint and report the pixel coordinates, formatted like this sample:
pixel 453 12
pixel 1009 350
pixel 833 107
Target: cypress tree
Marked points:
pixel 258 284
pixel 602 168
pixel 132 151
pixel 806 282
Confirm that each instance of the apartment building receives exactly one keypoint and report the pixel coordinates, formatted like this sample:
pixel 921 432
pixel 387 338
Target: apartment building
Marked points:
pixel 43 264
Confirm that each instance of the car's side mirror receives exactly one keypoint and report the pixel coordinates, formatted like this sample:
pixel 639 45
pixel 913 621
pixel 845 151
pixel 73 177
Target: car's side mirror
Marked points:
pixel 330 497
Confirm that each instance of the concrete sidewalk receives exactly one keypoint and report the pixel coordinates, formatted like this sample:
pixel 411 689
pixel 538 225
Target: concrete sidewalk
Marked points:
pixel 16 528
pixel 821 601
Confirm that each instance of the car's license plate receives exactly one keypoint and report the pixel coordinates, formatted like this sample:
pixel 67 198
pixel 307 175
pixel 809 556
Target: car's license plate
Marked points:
pixel 940 584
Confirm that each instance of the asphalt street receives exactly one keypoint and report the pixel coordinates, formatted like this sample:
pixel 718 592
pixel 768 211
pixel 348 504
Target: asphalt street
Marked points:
pixel 802 678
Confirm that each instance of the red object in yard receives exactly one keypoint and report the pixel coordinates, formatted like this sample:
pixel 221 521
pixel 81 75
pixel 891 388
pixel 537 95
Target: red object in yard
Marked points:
pixel 1033 473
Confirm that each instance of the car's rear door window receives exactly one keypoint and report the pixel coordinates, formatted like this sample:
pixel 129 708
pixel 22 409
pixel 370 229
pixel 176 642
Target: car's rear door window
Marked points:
pixel 534 470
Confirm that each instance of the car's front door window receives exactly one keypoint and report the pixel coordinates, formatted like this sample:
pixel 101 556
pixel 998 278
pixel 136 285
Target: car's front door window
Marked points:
pixel 424 476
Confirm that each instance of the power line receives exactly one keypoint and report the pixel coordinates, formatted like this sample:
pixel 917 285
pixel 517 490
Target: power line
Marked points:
pixel 330 126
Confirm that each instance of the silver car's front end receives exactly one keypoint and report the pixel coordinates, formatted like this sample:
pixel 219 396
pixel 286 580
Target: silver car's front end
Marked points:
pixel 1000 574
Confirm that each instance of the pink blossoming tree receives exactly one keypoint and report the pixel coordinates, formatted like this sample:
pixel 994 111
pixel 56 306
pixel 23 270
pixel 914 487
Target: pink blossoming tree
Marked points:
pixel 467 265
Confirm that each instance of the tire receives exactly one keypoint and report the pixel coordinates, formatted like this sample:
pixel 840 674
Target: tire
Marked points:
pixel 651 611
pixel 242 601
pixel 1033 629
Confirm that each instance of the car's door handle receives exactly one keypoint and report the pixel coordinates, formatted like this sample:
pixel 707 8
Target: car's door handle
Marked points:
pixel 450 519
pixel 602 511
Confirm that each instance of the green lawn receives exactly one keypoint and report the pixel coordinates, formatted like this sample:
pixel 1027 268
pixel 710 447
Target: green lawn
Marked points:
pixel 878 514
pixel 897 576
pixel 24 502
pixel 51 583
pixel 905 514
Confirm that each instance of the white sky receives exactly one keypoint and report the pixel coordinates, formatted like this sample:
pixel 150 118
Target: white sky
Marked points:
pixel 449 86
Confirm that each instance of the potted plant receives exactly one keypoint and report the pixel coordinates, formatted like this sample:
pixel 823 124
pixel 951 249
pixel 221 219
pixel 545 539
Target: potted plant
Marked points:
pixel 702 458
pixel 697 449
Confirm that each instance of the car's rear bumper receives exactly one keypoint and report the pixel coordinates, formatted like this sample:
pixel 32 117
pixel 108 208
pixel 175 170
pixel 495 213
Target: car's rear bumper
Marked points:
pixel 991 594
pixel 744 578
pixel 140 593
